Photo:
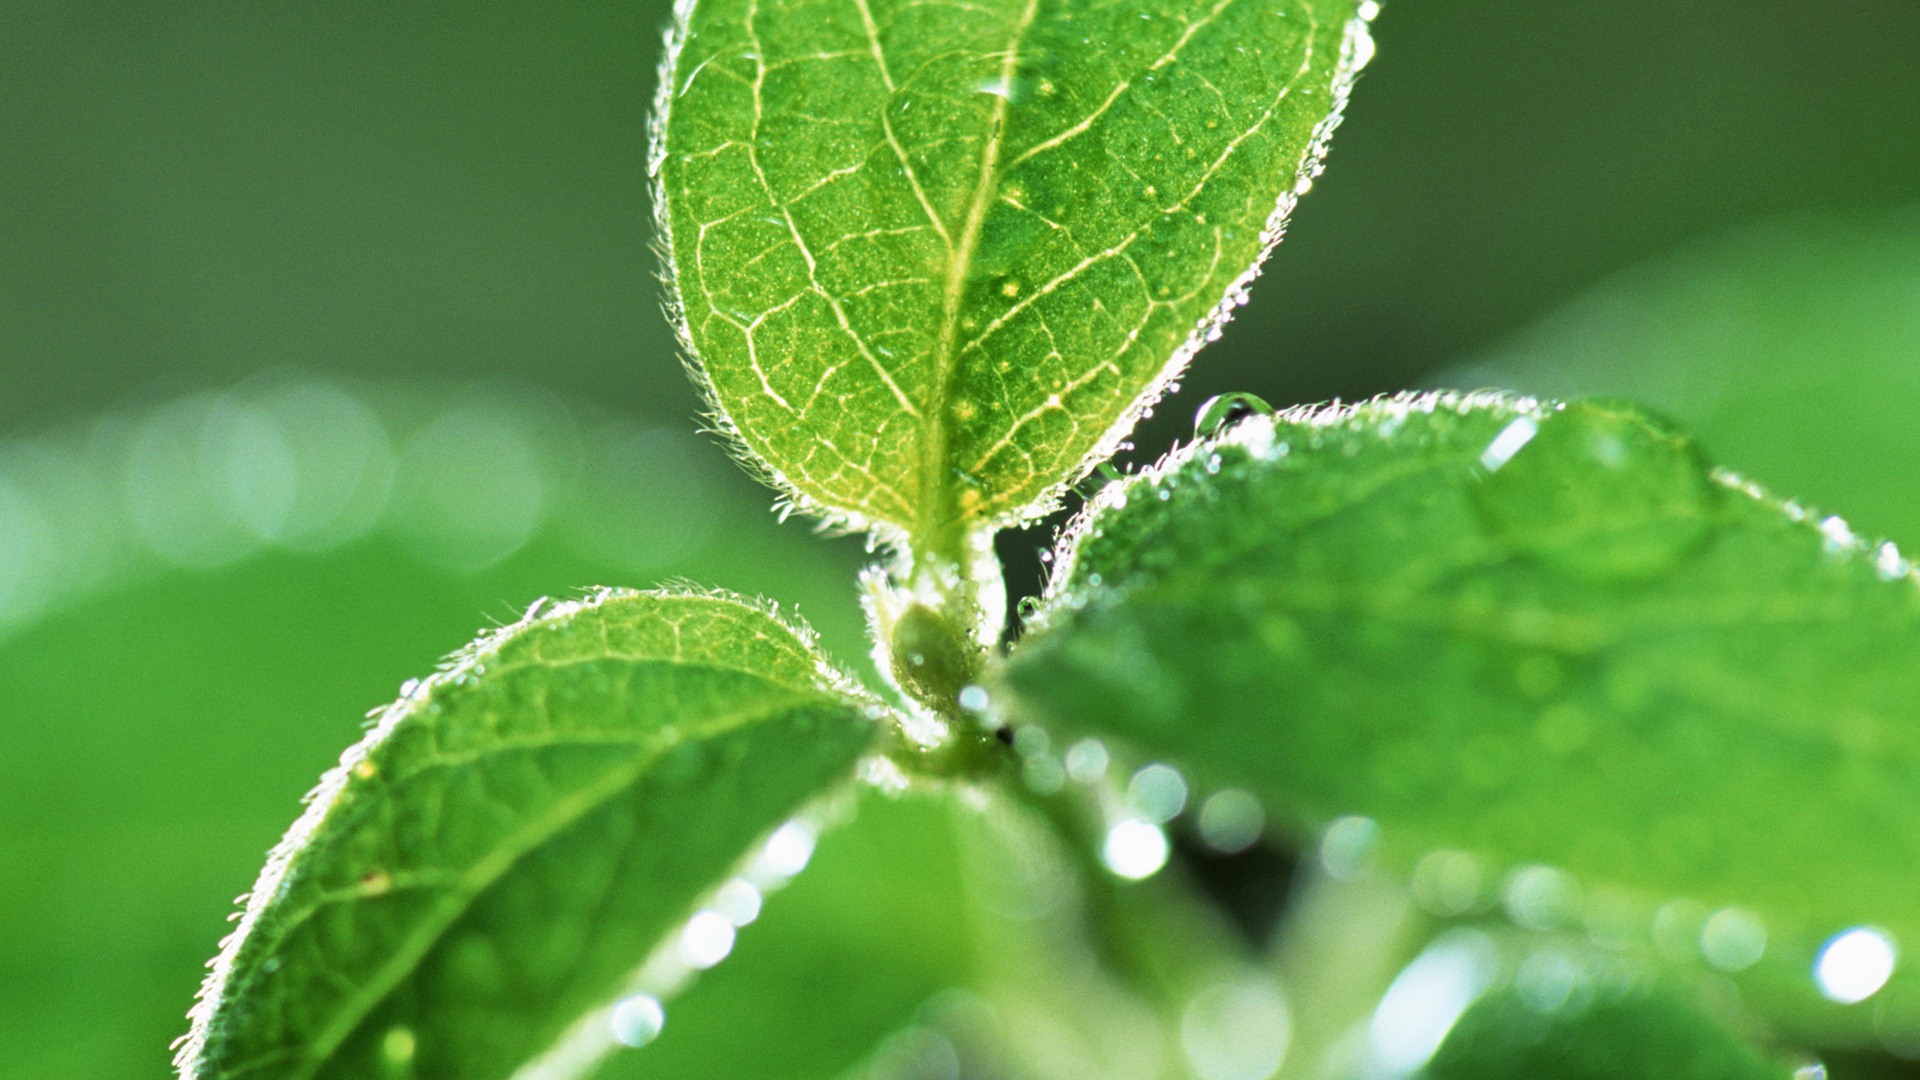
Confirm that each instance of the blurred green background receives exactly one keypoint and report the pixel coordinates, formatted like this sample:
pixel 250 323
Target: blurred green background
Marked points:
pixel 330 332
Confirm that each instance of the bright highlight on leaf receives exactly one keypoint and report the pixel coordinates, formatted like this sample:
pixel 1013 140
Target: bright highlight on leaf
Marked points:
pixel 519 832
pixel 1580 655
pixel 934 257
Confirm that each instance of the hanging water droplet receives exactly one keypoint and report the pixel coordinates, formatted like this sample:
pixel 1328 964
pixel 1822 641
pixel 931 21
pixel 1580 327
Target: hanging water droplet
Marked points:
pixel 1542 898
pixel 637 1020
pixel 399 1045
pixel 1888 563
pixel 787 852
pixel 1091 484
pixel 1346 848
pixel 1086 761
pixel 1854 964
pixel 1448 883
pixel 1134 849
pixel 706 940
pixel 1222 411
pixel 739 901
pixel 1157 793
pixel 1230 821
pixel 1599 488
pixel 1733 939
pixel 1238 1029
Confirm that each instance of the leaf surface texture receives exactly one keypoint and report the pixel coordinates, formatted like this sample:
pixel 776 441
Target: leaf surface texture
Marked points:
pixel 1546 642
pixel 517 834
pixel 934 256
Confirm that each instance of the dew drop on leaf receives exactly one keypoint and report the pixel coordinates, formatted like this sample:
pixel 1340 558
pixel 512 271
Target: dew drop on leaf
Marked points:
pixel 1448 883
pixel 637 1020
pixel 1086 761
pixel 706 940
pixel 1157 793
pixel 1854 964
pixel 1222 411
pixel 1347 847
pixel 1134 849
pixel 1599 488
pixel 1231 821
pixel 1733 939
pixel 398 1045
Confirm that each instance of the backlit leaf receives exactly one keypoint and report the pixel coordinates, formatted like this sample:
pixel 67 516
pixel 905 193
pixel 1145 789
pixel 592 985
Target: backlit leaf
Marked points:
pixel 1587 1032
pixel 1524 638
pixel 517 834
pixel 934 257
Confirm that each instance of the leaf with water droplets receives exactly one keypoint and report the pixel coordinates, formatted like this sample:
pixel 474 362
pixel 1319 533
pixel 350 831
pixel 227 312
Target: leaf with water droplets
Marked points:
pixel 518 833
pixel 1580 1031
pixel 934 257
pixel 1529 634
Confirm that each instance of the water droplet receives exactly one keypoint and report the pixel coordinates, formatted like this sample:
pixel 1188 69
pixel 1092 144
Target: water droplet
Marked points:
pixel 1087 760
pixel 1508 443
pixel 739 901
pixel 1222 411
pixel 973 698
pixel 1231 821
pixel 1676 929
pixel 1134 849
pixel 1237 1030
pixel 1838 535
pixel 1031 741
pixel 1043 774
pixel 637 1020
pixel 1888 563
pixel 1733 939
pixel 1598 488
pixel 1157 793
pixel 1448 883
pixel 399 1045
pixel 1346 848
pixel 706 940
pixel 1854 964
pixel 1542 898
pixel 787 852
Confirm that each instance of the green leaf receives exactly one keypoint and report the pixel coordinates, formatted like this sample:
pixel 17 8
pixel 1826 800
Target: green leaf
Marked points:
pixel 1760 340
pixel 1519 633
pixel 517 834
pixel 936 257
pixel 882 916
pixel 1588 1032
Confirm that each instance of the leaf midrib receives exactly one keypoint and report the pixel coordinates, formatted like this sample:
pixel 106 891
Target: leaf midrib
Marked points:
pixel 938 494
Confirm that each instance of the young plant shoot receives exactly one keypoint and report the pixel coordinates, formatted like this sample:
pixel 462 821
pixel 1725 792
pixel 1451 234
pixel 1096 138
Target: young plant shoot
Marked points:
pixel 1536 673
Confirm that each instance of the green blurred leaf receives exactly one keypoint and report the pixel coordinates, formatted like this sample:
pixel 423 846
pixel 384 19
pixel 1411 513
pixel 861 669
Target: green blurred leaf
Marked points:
pixel 517 834
pixel 1523 633
pixel 1594 1033
pixel 936 257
